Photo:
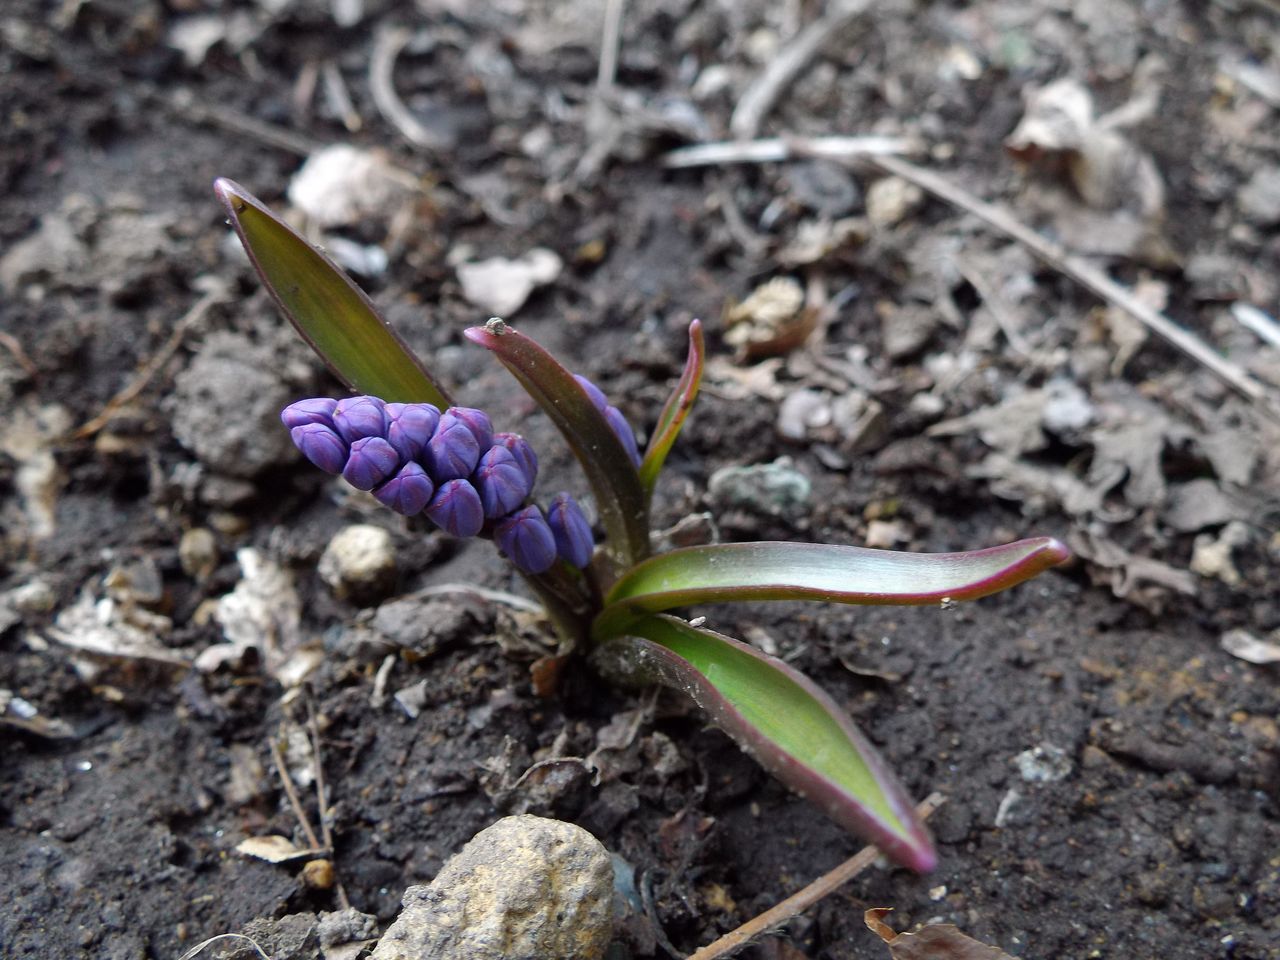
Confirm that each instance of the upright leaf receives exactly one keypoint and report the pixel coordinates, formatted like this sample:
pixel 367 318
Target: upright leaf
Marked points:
pixel 676 410
pixel 779 716
pixel 333 315
pixel 619 497
pixel 818 571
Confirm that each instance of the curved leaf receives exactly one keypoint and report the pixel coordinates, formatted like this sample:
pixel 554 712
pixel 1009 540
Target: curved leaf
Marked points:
pixel 818 571
pixel 333 315
pixel 619 497
pixel 677 408
pixel 779 716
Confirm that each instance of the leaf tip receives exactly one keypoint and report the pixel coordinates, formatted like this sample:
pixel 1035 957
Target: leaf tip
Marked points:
pixel 1054 551
pixel 230 193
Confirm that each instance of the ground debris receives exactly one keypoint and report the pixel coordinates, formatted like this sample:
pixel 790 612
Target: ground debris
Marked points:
pixel 933 941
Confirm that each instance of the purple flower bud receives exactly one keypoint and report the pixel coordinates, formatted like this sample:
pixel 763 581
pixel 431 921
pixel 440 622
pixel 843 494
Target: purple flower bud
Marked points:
pixel 527 540
pixel 522 451
pixel 479 423
pixel 408 492
pixel 453 451
pixel 358 417
pixel 314 410
pixel 371 461
pixel 410 426
pixel 623 429
pixel 501 482
pixel 571 530
pixel 456 509
pixel 597 396
pixel 321 445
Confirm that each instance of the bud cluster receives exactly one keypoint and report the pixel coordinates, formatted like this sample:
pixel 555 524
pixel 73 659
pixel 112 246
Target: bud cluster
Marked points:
pixel 450 465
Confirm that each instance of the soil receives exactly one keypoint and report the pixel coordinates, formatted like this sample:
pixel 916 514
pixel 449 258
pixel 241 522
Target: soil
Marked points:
pixel 1144 821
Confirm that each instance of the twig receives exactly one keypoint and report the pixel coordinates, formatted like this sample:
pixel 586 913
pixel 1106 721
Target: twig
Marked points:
pixel 792 60
pixel 292 794
pixel 199 947
pixel 1247 315
pixel 775 149
pixel 218 294
pixel 323 801
pixel 515 601
pixel 1082 272
pixel 335 91
pixel 797 903
pixel 183 105
pixel 609 42
pixel 996 304
pixel 387 46
pixel 14 346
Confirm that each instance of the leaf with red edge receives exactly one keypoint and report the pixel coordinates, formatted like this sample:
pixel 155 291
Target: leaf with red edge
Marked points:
pixel 818 571
pixel 333 315
pixel 619 497
pixel 784 720
pixel 676 410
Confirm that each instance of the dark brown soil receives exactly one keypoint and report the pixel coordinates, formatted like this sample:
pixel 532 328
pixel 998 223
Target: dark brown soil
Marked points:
pixel 1157 832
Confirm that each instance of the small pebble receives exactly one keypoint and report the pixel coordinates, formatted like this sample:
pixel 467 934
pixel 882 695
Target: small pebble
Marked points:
pixel 360 564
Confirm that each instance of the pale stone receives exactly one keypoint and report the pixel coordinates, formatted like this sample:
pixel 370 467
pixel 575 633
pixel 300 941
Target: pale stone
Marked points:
pixel 526 888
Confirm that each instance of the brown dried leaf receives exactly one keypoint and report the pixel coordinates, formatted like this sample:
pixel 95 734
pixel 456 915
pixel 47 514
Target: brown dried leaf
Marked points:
pixel 773 320
pixel 934 941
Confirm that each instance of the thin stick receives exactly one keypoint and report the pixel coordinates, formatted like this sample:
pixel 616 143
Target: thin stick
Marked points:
pixel 197 313
pixel 1249 316
pixel 14 346
pixel 609 43
pixel 515 601
pixel 386 48
pixel 776 149
pixel 1081 272
pixel 335 90
pixel 791 61
pixel 199 947
pixel 797 903
pixel 183 104
pixel 322 799
pixel 292 794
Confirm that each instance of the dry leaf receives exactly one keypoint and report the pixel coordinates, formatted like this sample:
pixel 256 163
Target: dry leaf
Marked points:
pixel 1245 646
pixel 500 286
pixel 272 848
pixel 773 320
pixel 934 941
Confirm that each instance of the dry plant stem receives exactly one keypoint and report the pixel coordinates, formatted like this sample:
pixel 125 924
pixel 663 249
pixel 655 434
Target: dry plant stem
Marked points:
pixel 386 48
pixel 335 91
pixel 792 60
pixel 323 800
pixel 199 947
pixel 776 149
pixel 1251 318
pixel 609 43
pixel 11 343
pixel 797 903
pixel 312 841
pixel 184 106
pixel 1080 271
pixel 515 601
pixel 153 366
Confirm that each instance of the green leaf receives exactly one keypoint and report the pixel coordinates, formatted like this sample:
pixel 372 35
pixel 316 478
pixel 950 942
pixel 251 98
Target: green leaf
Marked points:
pixel 333 315
pixel 779 716
pixel 676 410
pixel 818 571
pixel 624 510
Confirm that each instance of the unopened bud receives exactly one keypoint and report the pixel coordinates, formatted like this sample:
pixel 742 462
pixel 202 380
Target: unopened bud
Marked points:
pixel 321 445
pixel 372 460
pixel 479 423
pixel 571 530
pixel 408 492
pixel 358 417
pixel 500 481
pixel 526 538
pixel 313 410
pixel 456 509
pixel 522 451
pixel 410 426
pixel 453 450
